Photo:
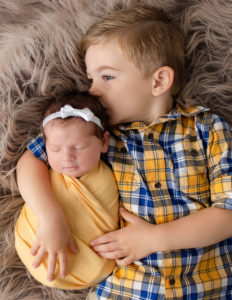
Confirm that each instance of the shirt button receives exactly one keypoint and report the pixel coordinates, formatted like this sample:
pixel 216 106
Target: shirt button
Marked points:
pixel 150 136
pixel 193 138
pixel 194 152
pixel 123 150
pixel 157 185
pixel 172 281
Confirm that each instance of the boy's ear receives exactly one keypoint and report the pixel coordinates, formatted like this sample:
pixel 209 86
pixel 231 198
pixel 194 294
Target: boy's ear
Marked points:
pixel 105 141
pixel 162 80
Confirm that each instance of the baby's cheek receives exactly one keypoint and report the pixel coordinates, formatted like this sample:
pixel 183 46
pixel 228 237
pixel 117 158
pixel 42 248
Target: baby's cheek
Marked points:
pixel 55 165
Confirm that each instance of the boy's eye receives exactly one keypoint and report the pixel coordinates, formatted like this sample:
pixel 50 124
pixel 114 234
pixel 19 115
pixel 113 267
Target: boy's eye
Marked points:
pixel 107 77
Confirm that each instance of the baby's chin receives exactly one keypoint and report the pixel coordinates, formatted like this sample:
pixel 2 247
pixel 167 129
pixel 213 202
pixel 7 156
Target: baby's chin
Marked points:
pixel 71 171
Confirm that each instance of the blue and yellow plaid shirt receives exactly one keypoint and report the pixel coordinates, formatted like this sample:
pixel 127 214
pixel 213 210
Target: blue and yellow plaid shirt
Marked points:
pixel 179 164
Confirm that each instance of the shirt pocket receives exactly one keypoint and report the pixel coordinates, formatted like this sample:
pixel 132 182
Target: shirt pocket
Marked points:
pixel 125 172
pixel 190 169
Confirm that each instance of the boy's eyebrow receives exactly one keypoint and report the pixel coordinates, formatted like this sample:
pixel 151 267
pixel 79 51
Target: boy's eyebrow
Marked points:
pixel 103 68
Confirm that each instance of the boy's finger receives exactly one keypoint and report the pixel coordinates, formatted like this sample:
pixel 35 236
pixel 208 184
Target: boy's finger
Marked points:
pixel 125 261
pixel 63 263
pixel 109 247
pixel 51 266
pixel 39 256
pixel 106 238
pixel 113 255
pixel 127 216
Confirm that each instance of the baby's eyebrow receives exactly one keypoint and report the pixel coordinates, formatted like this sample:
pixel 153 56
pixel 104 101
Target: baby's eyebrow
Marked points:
pixel 52 144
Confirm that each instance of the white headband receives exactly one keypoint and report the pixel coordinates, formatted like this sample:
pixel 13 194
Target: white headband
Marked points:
pixel 69 111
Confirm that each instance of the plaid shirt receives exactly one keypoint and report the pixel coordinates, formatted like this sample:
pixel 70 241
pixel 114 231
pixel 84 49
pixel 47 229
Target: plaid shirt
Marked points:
pixel 178 165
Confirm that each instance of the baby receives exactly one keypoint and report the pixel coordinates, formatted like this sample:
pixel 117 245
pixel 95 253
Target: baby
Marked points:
pixel 74 130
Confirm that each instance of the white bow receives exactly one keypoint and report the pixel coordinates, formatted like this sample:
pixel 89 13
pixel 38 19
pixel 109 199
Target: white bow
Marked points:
pixel 69 111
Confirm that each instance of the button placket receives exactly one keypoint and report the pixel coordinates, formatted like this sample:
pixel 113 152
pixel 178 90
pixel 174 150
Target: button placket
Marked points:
pixel 152 140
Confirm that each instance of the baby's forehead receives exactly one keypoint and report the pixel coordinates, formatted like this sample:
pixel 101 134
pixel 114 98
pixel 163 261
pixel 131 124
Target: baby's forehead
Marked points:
pixel 64 123
pixel 69 126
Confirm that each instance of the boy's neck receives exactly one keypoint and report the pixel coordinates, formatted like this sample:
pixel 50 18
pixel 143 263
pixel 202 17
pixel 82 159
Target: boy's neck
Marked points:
pixel 161 106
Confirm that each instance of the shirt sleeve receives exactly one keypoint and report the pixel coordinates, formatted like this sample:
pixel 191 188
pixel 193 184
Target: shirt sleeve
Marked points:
pixel 220 163
pixel 38 148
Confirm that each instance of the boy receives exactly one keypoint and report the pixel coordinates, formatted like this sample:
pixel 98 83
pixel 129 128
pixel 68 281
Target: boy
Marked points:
pixel 74 130
pixel 172 166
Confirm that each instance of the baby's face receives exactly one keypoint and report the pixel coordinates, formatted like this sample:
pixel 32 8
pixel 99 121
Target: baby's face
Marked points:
pixel 72 147
pixel 123 91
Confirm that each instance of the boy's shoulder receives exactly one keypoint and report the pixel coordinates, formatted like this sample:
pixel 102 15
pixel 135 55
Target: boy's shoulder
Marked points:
pixel 205 117
pixel 198 118
pixel 191 111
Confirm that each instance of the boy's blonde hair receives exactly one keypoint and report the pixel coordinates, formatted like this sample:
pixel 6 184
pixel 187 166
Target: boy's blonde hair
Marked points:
pixel 147 35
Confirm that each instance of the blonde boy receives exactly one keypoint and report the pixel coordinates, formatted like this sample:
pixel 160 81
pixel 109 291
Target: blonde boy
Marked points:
pixel 172 165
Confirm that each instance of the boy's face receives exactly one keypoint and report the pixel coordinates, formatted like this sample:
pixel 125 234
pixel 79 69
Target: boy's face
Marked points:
pixel 125 94
pixel 72 148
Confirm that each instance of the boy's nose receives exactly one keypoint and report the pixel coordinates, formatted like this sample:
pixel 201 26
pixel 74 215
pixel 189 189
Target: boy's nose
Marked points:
pixel 94 90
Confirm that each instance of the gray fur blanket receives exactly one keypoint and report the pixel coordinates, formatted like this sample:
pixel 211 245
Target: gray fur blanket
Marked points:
pixel 39 56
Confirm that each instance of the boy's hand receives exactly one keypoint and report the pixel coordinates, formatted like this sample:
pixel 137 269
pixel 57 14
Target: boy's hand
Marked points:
pixel 53 237
pixel 200 229
pixel 128 244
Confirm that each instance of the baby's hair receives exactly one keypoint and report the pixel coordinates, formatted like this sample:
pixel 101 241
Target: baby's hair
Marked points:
pixel 79 100
pixel 147 35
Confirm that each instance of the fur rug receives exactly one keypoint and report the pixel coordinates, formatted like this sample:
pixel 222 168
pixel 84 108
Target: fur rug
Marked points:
pixel 39 56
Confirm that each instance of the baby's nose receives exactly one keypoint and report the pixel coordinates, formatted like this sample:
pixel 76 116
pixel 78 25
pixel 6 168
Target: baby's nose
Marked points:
pixel 67 155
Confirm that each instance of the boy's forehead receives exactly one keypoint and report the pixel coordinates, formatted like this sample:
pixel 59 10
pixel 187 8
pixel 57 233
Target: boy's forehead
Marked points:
pixel 103 55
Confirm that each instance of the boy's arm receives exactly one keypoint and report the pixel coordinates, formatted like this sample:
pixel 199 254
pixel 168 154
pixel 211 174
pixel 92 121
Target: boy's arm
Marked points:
pixel 141 238
pixel 199 229
pixel 53 234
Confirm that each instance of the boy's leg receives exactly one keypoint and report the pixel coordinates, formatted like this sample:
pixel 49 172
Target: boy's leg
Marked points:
pixel 92 294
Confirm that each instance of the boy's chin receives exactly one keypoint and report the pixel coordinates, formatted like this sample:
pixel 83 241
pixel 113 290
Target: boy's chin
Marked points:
pixel 114 122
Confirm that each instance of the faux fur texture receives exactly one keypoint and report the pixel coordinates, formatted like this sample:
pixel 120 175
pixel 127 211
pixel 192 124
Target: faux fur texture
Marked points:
pixel 39 56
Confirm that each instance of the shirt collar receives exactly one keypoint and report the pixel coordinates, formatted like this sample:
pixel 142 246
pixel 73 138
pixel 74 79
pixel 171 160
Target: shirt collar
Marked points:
pixel 174 114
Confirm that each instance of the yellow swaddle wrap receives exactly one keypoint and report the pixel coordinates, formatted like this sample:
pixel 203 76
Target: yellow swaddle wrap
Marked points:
pixel 90 205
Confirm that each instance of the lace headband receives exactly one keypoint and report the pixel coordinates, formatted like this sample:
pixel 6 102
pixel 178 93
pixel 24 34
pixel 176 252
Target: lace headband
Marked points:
pixel 69 111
